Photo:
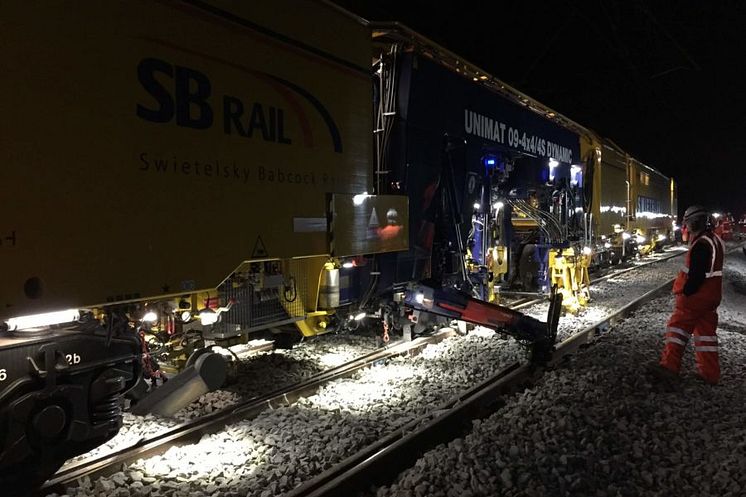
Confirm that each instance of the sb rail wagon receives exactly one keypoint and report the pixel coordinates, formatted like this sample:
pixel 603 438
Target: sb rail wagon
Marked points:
pixel 181 174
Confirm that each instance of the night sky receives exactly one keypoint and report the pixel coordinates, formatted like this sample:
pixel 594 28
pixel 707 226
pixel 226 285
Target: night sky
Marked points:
pixel 664 80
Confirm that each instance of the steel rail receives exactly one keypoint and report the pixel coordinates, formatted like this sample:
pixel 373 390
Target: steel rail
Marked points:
pixel 648 263
pixel 378 464
pixel 193 430
pixel 612 274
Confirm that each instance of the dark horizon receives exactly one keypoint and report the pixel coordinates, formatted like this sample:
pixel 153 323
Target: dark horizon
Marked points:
pixel 662 84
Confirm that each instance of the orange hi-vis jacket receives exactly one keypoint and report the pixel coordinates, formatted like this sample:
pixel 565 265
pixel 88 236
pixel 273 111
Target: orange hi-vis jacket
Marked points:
pixel 708 296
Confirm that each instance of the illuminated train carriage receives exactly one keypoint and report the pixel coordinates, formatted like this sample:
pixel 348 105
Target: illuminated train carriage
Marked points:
pixel 185 189
pixel 637 207
pixel 207 175
pixel 495 180
pixel 654 206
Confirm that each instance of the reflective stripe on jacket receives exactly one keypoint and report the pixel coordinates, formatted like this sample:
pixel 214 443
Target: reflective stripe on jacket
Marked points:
pixel 709 294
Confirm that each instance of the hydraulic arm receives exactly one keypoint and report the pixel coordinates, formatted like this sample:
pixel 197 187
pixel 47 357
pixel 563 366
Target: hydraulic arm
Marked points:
pixel 458 305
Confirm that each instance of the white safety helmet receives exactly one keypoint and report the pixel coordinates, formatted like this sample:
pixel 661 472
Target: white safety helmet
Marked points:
pixel 695 218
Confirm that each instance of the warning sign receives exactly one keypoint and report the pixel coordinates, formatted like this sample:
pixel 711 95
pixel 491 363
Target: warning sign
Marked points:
pixel 373 222
pixel 260 251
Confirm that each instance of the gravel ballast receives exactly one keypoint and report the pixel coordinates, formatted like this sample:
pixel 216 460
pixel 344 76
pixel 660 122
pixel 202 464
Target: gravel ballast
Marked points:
pixel 611 294
pixel 282 448
pixel 256 374
pixel 601 426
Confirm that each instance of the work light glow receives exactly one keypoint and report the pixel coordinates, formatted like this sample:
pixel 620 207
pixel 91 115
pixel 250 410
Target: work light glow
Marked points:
pixel 150 317
pixel 553 163
pixel 208 317
pixel 45 319
pixel 360 198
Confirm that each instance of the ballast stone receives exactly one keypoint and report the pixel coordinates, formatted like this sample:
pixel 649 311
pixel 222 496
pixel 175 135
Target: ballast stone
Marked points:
pixel 347 415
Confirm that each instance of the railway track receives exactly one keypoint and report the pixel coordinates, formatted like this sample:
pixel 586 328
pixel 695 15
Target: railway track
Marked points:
pixel 191 431
pixel 380 463
pixel 608 274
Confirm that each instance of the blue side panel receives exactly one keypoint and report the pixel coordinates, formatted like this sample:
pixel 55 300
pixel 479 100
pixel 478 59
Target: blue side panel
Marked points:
pixel 445 120
pixel 443 101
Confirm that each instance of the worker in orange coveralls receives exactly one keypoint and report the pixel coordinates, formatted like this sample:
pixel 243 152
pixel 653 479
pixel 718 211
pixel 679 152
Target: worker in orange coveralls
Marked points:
pixel 698 290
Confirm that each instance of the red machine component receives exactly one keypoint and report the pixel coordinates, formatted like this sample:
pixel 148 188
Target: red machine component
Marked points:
pixel 452 303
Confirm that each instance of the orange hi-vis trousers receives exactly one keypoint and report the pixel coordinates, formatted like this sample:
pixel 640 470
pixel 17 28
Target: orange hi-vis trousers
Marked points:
pixel 702 324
